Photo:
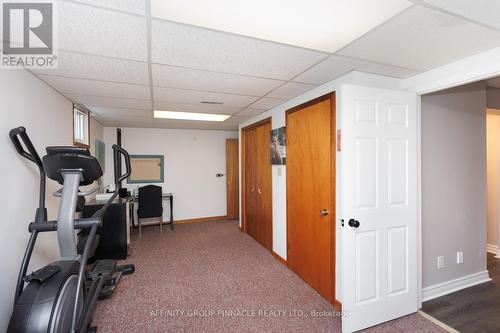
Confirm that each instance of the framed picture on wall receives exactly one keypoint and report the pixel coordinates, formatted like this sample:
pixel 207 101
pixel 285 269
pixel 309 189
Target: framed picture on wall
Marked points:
pixel 278 146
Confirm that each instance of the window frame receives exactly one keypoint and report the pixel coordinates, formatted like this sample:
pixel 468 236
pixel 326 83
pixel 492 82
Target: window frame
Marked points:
pixel 76 141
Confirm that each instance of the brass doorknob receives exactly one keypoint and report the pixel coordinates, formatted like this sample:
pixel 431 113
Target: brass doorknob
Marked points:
pixel 323 212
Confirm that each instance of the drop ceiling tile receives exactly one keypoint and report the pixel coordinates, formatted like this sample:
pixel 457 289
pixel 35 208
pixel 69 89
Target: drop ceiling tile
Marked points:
pixel 146 123
pixel 336 66
pixel 101 32
pixel 96 88
pixel 266 103
pixel 131 6
pixel 250 112
pixel 237 119
pixel 112 102
pixel 483 11
pixel 118 112
pixel 314 24
pixel 85 66
pixel 185 78
pixel 290 90
pixel 187 124
pixel 421 39
pixel 198 108
pixel 196 97
pixel 188 46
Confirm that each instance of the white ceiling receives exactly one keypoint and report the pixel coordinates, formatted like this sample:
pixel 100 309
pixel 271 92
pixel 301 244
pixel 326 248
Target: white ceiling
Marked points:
pixel 125 58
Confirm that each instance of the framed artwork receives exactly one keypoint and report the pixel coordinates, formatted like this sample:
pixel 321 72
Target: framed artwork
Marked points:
pixel 146 169
pixel 100 149
pixel 278 146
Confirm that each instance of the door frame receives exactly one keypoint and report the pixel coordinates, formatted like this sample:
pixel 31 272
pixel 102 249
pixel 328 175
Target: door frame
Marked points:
pixel 333 138
pixel 243 188
pixel 237 176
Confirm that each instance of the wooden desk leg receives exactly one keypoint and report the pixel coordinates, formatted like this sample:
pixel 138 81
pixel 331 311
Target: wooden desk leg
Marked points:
pixel 172 212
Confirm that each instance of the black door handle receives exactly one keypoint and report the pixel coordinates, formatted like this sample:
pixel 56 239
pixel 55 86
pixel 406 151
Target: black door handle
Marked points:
pixel 353 223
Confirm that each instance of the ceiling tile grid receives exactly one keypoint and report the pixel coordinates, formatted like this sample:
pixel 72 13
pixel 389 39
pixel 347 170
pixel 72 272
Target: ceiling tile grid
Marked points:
pixel 193 47
pixel 97 88
pixel 198 97
pixel 104 60
pixel 186 78
pixel 86 66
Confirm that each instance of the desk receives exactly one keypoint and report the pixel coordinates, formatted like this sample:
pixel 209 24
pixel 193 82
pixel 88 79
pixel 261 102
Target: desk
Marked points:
pixel 164 196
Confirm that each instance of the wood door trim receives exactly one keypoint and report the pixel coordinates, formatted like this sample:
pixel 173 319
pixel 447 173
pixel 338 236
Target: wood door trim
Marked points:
pixel 257 124
pixel 317 100
pixel 233 172
pixel 279 258
pixel 243 169
pixel 332 97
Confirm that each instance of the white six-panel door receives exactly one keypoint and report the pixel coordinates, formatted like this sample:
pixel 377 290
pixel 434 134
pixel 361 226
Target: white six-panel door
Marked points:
pixel 379 190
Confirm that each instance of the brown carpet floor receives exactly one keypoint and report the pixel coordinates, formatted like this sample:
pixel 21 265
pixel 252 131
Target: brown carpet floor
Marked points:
pixel 210 277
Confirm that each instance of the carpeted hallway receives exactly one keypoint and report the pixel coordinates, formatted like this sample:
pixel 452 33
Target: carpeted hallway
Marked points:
pixel 210 277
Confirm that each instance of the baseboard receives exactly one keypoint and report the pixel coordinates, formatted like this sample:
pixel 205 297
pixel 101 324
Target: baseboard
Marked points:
pixel 337 305
pixel 451 286
pixel 201 219
pixel 493 249
pixel 279 258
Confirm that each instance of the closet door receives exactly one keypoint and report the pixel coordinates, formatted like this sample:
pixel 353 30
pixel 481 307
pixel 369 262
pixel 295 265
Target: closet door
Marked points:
pixel 250 181
pixel 264 187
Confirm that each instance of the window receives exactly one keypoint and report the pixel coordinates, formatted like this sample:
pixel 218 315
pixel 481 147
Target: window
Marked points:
pixel 81 126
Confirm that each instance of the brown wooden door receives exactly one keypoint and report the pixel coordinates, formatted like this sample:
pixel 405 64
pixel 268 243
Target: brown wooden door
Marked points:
pixel 310 189
pixel 258 184
pixel 250 170
pixel 264 186
pixel 232 185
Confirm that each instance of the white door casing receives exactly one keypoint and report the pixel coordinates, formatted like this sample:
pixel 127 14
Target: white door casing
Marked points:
pixel 379 190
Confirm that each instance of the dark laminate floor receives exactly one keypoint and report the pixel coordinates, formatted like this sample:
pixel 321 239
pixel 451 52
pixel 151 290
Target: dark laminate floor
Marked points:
pixel 472 310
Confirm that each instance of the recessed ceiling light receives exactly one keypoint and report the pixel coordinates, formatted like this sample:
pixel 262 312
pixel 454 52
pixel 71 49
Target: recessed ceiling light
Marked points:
pixel 190 116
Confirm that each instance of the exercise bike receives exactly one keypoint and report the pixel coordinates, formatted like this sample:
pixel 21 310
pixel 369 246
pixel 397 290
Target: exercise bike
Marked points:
pixel 61 297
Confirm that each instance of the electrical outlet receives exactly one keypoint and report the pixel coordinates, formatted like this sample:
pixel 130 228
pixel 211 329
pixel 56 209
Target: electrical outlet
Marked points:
pixel 460 257
pixel 440 261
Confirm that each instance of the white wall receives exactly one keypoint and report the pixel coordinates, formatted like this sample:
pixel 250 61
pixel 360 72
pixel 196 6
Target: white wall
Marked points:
pixel 493 167
pixel 48 118
pixel 192 159
pixel 454 182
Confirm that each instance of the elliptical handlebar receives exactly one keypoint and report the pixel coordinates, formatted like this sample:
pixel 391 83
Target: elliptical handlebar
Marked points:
pixel 32 155
pixel 116 151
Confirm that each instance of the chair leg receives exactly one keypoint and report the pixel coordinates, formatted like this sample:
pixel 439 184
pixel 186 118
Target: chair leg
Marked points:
pixel 161 225
pixel 140 230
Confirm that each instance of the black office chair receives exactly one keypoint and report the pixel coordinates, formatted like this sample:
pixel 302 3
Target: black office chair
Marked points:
pixel 150 204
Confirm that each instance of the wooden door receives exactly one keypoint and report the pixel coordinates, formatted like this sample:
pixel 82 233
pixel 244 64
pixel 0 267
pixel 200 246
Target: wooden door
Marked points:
pixel 250 170
pixel 264 187
pixel 311 193
pixel 232 174
pixel 257 187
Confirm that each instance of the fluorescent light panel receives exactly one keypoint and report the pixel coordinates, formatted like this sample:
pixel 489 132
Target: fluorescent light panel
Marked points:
pixel 325 25
pixel 190 116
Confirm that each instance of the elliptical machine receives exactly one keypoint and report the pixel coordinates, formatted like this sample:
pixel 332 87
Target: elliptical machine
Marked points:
pixel 62 296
